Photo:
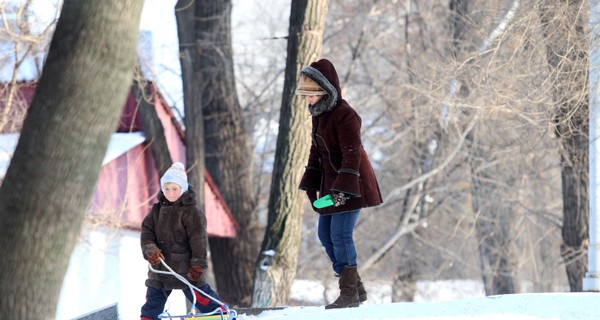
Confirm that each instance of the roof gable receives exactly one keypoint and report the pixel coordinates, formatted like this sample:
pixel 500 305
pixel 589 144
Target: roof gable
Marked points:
pixel 128 182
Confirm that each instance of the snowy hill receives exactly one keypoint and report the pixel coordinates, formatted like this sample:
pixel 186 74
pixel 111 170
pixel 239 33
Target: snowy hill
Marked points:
pixel 563 306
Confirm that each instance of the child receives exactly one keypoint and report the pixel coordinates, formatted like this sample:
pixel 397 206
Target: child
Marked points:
pixel 175 231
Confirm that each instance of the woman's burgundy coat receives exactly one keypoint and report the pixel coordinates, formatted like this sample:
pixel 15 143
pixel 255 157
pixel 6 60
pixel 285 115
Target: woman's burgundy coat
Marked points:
pixel 337 161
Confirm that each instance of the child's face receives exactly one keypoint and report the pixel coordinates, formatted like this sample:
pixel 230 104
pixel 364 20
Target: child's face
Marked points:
pixel 172 191
pixel 312 100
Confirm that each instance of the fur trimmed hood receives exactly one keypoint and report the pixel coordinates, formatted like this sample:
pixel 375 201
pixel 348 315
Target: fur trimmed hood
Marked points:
pixel 324 74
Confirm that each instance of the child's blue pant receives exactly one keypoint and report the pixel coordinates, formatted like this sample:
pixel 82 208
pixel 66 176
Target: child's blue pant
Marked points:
pixel 157 298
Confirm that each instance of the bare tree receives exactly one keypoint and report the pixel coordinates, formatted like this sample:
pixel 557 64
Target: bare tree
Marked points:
pixel 57 160
pixel 194 118
pixel 493 221
pixel 485 100
pixel 564 28
pixel 25 49
pixel 276 265
pixel 437 99
pixel 213 111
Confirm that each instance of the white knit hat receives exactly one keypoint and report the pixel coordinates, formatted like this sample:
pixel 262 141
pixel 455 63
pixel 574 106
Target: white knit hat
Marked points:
pixel 175 174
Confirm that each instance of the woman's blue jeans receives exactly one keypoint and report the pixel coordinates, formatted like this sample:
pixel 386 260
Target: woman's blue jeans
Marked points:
pixel 335 232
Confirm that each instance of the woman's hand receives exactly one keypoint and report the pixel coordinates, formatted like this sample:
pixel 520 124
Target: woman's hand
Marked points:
pixel 338 199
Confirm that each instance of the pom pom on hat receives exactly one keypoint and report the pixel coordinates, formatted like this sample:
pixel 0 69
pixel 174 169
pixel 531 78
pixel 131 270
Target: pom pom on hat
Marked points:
pixel 175 174
pixel 308 87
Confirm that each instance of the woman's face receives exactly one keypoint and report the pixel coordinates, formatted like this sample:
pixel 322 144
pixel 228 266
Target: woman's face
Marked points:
pixel 312 100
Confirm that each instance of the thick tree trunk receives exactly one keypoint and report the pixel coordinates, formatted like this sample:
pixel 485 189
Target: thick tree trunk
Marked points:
pixel 276 266
pixel 211 100
pixel 193 119
pixel 48 185
pixel 574 174
pixel 564 28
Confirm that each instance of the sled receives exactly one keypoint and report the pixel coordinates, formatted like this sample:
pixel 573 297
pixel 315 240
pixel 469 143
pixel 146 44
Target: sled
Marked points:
pixel 221 313
pixel 324 202
pixel 215 315
pixel 198 317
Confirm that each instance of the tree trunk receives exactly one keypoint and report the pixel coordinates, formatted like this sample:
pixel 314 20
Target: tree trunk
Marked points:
pixel 211 99
pixel 193 120
pixel 493 223
pixel 404 283
pixel 564 29
pixel 276 265
pixel 153 129
pixel 48 185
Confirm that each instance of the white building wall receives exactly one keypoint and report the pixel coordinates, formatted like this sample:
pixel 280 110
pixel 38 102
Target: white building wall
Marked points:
pixel 107 267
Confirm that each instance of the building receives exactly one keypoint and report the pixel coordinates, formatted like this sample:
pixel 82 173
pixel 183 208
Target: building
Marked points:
pixel 107 266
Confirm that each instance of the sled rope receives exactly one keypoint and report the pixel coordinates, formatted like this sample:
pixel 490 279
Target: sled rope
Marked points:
pixel 186 282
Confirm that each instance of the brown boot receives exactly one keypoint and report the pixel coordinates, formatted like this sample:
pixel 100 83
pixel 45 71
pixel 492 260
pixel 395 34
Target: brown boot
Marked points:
pixel 362 293
pixel 348 290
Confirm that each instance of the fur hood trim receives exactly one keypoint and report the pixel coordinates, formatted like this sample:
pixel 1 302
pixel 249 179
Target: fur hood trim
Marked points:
pixel 329 101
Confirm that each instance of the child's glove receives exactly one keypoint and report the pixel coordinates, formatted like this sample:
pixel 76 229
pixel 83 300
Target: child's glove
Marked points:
pixel 195 272
pixel 338 199
pixel 155 258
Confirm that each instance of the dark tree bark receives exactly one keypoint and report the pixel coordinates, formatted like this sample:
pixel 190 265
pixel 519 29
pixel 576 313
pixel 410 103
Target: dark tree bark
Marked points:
pixel 564 29
pixel 153 129
pixel 276 266
pixel 50 180
pixel 493 226
pixel 211 100
pixel 193 119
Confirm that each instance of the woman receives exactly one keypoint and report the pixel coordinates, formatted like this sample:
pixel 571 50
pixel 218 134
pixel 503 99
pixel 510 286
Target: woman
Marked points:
pixel 338 166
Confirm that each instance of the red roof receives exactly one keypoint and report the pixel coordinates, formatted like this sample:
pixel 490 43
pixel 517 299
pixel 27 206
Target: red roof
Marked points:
pixel 135 174
pixel 127 185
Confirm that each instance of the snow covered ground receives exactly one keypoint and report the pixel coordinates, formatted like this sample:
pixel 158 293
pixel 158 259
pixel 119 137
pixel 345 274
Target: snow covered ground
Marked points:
pixel 571 306
pixel 436 300
pixel 317 293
